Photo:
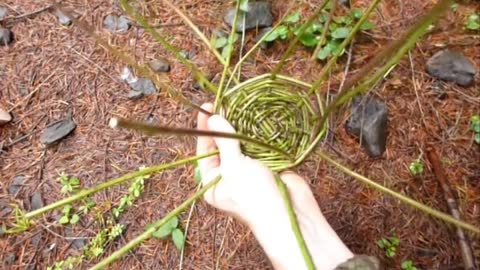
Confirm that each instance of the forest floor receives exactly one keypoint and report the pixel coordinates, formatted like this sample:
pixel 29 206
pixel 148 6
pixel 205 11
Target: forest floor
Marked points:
pixel 51 69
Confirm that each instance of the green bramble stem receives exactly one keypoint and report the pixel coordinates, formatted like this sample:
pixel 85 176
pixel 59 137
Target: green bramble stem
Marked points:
pixel 403 198
pixel 148 233
pixel 86 192
pixel 294 223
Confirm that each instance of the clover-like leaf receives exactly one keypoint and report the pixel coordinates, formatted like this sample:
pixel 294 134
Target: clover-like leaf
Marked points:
pixel 178 239
pixel 416 168
pixel 324 53
pixel 64 219
pixel 356 13
pixel 308 39
pixel 220 42
pixel 475 123
pixel 341 32
pixel 293 18
pixel 473 22
pixel 74 219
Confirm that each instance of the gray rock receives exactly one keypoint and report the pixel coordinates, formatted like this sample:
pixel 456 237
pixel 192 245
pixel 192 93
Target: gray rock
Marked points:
pixel 259 15
pixel 58 130
pixel 260 35
pixel 6 36
pixel 451 66
pixel 62 18
pixel 116 24
pixel 9 259
pixel 134 94
pixel 145 86
pixel 16 184
pixel 159 65
pixel 3 12
pixel 78 242
pixel 369 120
pixel 36 201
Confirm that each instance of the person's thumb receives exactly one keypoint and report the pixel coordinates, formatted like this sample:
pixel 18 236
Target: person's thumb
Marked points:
pixel 229 148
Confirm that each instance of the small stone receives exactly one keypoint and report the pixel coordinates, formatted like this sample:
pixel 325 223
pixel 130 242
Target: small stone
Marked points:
pixel 113 23
pixel 159 65
pixel 78 242
pixel 259 15
pixel 58 130
pixel 451 66
pixel 62 18
pixel 36 201
pixel 16 184
pixel 135 94
pixel 3 12
pixel 260 35
pixel 6 36
pixel 10 259
pixel 369 120
pixel 5 117
pixel 144 86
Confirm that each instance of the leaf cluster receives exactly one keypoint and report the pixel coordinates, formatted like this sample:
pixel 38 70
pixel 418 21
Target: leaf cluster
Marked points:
pixel 389 245
pixel 171 228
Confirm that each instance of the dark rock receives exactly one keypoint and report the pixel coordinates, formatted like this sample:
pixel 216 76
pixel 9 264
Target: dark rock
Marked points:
pixel 159 65
pixel 58 130
pixel 78 242
pixel 451 66
pixel 36 201
pixel 259 15
pixel 62 18
pixel 6 36
pixel 260 35
pixel 144 86
pixel 113 23
pixel 3 12
pixel 10 259
pixel 369 120
pixel 16 184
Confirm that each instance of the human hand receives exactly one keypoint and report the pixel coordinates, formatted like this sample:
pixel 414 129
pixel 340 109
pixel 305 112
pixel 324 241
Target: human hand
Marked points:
pixel 248 191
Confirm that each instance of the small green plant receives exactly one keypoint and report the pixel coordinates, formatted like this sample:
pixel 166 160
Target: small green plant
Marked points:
pixel 416 167
pixel 475 126
pixel 171 228
pixel 389 245
pixel 221 42
pixel 68 215
pixel 454 7
pixel 69 184
pixel 338 29
pixel 473 22
pixel 408 265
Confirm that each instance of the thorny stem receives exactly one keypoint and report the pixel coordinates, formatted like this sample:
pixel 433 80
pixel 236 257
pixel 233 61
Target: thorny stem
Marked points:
pixel 148 233
pixel 86 192
pixel 403 198
pixel 294 223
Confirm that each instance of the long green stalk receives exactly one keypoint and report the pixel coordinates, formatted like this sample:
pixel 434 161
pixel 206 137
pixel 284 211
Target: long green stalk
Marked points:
pixel 294 223
pixel 86 192
pixel 148 233
pixel 402 198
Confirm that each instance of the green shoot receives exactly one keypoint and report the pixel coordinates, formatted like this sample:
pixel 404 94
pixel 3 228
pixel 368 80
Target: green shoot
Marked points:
pixel 475 126
pixel 389 245
pixel 69 184
pixel 171 228
pixel 416 167
pixel 408 265
pixel 473 22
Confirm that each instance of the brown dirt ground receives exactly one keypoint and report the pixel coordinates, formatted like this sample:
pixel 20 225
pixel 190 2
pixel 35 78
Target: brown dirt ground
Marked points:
pixel 68 70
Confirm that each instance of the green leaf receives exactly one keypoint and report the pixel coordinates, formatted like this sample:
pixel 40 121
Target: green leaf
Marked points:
pixel 315 27
pixel 197 176
pixel 473 22
pixel 162 232
pixel 75 218
pixel 416 168
pixel 173 222
pixel 477 138
pixel 339 19
pixel 67 209
pixel 324 53
pixel 220 42
pixel 340 33
pixel 394 240
pixel 243 5
pixel 293 18
pixel 97 251
pixel 356 13
pixel 178 238
pixel 308 39
pixel 74 181
pixel 454 7
pixel 281 31
pixel 475 123
pixel 64 220
pixel 323 17
pixel 367 25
